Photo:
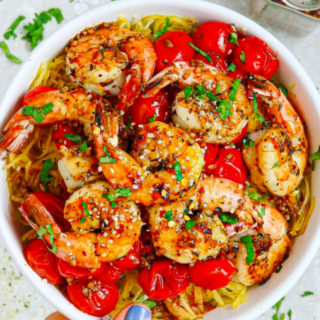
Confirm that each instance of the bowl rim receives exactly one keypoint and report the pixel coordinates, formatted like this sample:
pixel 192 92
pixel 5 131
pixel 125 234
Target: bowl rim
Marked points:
pixel 6 231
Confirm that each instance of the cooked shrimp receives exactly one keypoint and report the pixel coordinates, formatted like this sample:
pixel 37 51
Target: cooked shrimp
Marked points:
pixel 271 246
pixel 218 117
pixel 279 156
pixel 164 166
pixel 88 210
pixel 78 105
pixel 105 59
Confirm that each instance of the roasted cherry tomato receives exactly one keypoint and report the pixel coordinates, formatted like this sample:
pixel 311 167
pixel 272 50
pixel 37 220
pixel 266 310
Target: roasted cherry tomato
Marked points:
pixel 42 261
pixel 213 37
pixel 236 74
pixel 255 56
pixel 230 165
pixel 212 274
pixel 64 193
pixel 144 109
pixel 110 273
pixel 216 62
pixel 33 92
pixel 173 47
pixel 165 279
pixel 210 156
pixel 96 298
pixel 59 137
pixel 69 271
pixel 241 135
pixel 131 261
pixel 145 241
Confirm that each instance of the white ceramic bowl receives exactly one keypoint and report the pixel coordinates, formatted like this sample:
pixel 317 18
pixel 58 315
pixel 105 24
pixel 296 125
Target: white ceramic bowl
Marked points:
pixel 290 71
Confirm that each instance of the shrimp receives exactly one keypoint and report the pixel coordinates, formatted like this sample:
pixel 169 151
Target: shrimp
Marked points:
pixel 111 60
pixel 52 107
pixel 271 246
pixel 278 159
pixel 101 232
pixel 215 114
pixel 165 164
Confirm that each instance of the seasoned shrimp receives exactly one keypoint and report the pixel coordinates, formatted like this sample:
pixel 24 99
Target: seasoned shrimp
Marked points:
pixel 278 158
pixel 105 59
pixel 116 228
pixel 165 165
pixel 54 106
pixel 218 117
pixel 271 245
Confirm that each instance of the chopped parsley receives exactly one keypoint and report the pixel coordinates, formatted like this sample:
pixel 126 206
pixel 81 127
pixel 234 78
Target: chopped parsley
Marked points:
pixel 74 137
pixel 129 123
pixel 247 241
pixel 224 109
pixel 218 88
pixel 148 302
pixel 228 219
pixel 276 165
pixel 255 195
pixel 84 205
pixel 124 192
pixel 11 30
pixel 200 51
pixel 56 13
pixel 84 146
pixel 290 314
pixel 279 269
pixel 8 54
pixel 243 57
pixel 177 169
pixel 307 293
pixel 190 224
pixel 162 31
pixel 168 215
pixel 315 156
pixel 231 67
pixel 233 93
pixel 283 89
pixel 42 231
pixel 233 38
pixel 255 108
pixel 107 158
pixel 152 119
pixel 45 171
pixel 37 113
pixel 187 92
pixel 277 307
pixel 262 212
pixel 247 143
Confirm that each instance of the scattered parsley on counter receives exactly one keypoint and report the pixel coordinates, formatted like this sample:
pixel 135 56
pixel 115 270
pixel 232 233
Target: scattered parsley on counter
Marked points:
pixel 307 293
pixel 8 54
pixel 11 30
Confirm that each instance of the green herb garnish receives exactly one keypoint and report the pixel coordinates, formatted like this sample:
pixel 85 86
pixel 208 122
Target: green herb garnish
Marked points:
pixel 124 192
pixel 37 113
pixel 8 54
pixel 228 219
pixel 247 143
pixel 84 205
pixel 74 137
pixel 177 169
pixel 283 89
pixel 290 314
pixel 307 293
pixel 129 123
pixel 224 108
pixel 144 299
pixel 243 57
pixel 218 88
pixel 231 67
pixel 187 92
pixel 162 31
pixel 42 231
pixel 45 171
pixel 247 241
pixel 279 269
pixel 255 108
pixel 106 158
pixel 190 224
pixel 255 195
pixel 200 51
pixel 13 27
pixel 277 306
pixel 84 146
pixel 152 119
pixel 262 212
pixel 233 93
pixel 168 215
pixel 315 156
pixel 233 38
pixel 276 165
pixel 56 13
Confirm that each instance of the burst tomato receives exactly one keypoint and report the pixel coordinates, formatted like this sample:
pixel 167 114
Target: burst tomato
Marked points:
pixel 33 92
pixel 173 47
pixel 236 74
pixel 59 135
pixel 96 298
pixel 165 279
pixel 213 37
pixel 42 261
pixel 241 135
pixel 212 274
pixel 131 261
pixel 216 62
pixel 210 156
pixel 110 273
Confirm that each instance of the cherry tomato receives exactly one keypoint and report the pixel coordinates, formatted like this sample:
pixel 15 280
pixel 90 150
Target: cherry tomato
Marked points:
pixel 230 165
pixel 110 273
pixel 212 274
pixel 96 298
pixel 131 261
pixel 64 193
pixel 212 37
pixel 145 241
pixel 164 279
pixel 236 74
pixel 173 47
pixel 210 156
pixel 33 92
pixel 255 56
pixel 241 135
pixel 69 271
pixel 59 137
pixel 42 261
pixel 216 62
pixel 144 109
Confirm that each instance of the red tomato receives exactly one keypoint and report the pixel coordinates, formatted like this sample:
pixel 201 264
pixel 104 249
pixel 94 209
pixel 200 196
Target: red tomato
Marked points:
pixel 258 58
pixel 69 271
pixel 145 241
pixel 230 165
pixel 165 279
pixel 96 298
pixel 131 261
pixel 110 273
pixel 173 47
pixel 144 109
pixel 42 261
pixel 63 129
pixel 241 135
pixel 64 193
pixel 212 274
pixel 33 92
pixel 210 156
pixel 236 74
pixel 213 36
pixel 216 62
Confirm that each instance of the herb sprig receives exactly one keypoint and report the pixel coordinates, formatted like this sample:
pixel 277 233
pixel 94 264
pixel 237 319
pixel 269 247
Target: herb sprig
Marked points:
pixel 11 30
pixel 162 31
pixel 8 54
pixel 124 192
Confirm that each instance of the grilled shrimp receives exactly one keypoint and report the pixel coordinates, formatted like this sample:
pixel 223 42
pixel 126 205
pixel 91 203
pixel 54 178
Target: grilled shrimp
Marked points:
pixel 217 117
pixel 278 158
pixel 101 232
pixel 271 245
pixel 164 166
pixel 105 59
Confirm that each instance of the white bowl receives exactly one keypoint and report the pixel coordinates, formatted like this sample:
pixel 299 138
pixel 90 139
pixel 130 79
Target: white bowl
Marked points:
pixel 290 71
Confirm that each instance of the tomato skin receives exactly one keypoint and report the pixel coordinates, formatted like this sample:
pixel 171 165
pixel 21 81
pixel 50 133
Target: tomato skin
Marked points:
pixel 101 297
pixel 42 261
pixel 230 165
pixel 216 62
pixel 145 241
pixel 131 261
pixel 259 58
pixel 241 135
pixel 63 129
pixel 210 156
pixel 212 37
pixel 173 47
pixel 144 108
pixel 64 193
pixel 236 74
pixel 110 273
pixel 33 92
pixel 164 279
pixel 212 274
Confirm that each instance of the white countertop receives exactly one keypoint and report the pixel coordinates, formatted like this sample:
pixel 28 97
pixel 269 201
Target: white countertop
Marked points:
pixel 18 299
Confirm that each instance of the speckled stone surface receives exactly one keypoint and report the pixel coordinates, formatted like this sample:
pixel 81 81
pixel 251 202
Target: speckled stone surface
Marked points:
pixel 18 299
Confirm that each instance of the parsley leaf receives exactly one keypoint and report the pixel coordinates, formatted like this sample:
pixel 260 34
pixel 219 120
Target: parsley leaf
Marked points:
pixel 228 219
pixel 255 108
pixel 279 269
pixel 124 192
pixel 8 54
pixel 42 231
pixel 152 119
pixel 231 67
pixel 144 299
pixel 283 89
pixel 13 27
pixel 276 165
pixel 56 13
pixel 262 212
pixel 162 31
pixel 84 205
pixel 315 156
pixel 247 241
pixel 277 306
pixel 243 57
pixel 74 137
pixel 107 158
pixel 37 113
pixel 224 109
pixel 233 93
pixel 255 195
pixel 177 169
pixel 190 224
pixel 45 171
pixel 290 314
pixel 187 92
pixel 233 38
pixel 218 88
pixel 307 293
pixel 168 215
pixel 200 51
pixel 247 143
pixel 129 123
pixel 84 146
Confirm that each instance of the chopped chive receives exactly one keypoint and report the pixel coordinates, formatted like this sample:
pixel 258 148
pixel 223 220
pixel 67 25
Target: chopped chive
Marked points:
pixel 74 137
pixel 13 27
pixel 307 293
pixel 255 195
pixel 42 231
pixel 200 51
pixel 84 205
pixel 262 212
pixel 243 57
